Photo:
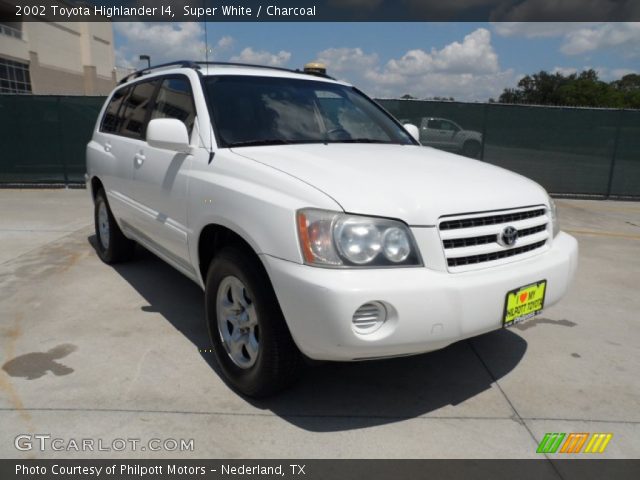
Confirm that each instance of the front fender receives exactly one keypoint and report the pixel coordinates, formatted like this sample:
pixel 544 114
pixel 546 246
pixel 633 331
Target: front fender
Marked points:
pixel 255 201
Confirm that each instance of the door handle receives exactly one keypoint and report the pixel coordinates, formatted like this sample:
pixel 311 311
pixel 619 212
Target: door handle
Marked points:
pixel 139 159
pixel 107 147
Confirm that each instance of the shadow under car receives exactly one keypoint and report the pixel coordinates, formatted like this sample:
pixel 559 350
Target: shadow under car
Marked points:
pixel 340 396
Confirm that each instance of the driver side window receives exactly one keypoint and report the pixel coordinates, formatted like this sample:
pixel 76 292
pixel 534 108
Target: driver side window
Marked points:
pixel 448 126
pixel 175 100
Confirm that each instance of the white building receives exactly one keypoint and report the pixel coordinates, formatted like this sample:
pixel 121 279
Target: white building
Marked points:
pixel 75 58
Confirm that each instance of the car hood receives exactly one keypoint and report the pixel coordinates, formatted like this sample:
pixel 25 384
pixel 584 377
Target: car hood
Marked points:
pixel 411 183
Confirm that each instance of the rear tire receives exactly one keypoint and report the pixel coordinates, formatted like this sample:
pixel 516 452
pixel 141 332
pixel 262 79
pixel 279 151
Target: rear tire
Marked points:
pixel 111 244
pixel 250 337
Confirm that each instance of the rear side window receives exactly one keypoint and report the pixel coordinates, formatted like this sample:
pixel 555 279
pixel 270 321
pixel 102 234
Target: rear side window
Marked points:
pixel 110 121
pixel 134 111
pixel 175 100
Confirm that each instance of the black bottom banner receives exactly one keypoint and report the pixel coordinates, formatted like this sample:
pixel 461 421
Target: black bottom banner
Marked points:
pixel 586 469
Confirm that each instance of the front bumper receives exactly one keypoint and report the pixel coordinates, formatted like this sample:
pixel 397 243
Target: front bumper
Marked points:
pixel 427 309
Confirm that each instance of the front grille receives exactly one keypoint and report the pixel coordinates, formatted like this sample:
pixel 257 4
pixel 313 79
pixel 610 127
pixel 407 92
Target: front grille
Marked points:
pixel 471 241
pixel 490 220
pixel 456 262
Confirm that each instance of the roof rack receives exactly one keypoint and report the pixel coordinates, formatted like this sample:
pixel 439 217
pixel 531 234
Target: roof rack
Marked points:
pixel 253 65
pixel 178 63
pixel 196 66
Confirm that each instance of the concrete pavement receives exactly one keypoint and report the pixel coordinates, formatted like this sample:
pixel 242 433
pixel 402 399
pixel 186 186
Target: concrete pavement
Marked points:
pixel 88 351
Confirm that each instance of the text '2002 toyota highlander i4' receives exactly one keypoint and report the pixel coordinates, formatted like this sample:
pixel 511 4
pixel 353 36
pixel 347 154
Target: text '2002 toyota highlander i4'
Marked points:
pixel 315 223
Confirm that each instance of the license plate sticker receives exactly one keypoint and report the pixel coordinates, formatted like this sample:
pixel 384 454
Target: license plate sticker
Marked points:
pixel 524 303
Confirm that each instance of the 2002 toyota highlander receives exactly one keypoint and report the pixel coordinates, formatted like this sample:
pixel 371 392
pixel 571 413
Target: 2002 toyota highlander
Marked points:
pixel 315 222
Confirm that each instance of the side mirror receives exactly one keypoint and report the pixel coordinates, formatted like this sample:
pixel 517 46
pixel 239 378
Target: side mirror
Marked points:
pixel 169 134
pixel 413 131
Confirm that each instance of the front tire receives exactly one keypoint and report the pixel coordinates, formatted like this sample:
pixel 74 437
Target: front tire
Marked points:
pixel 250 338
pixel 111 244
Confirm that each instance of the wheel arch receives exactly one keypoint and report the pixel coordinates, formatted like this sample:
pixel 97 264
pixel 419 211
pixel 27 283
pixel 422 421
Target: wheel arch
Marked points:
pixel 96 185
pixel 213 237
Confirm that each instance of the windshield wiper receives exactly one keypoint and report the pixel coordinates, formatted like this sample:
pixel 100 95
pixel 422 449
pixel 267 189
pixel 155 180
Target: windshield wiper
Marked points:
pixel 250 143
pixel 360 140
pixel 280 141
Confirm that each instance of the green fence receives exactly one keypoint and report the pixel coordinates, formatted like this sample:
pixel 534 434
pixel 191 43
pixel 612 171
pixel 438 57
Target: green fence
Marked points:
pixel 44 137
pixel 572 151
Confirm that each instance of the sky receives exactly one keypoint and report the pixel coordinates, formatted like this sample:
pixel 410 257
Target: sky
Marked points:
pixel 467 61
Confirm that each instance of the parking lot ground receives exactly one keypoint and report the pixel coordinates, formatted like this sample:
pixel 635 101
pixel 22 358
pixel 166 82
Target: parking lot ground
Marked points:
pixel 88 351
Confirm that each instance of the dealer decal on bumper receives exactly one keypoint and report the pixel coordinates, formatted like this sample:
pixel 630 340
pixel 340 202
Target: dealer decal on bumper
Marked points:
pixel 524 303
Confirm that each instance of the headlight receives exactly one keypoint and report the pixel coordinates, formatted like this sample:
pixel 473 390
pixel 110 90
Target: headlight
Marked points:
pixel 334 239
pixel 554 216
pixel 357 241
pixel 396 244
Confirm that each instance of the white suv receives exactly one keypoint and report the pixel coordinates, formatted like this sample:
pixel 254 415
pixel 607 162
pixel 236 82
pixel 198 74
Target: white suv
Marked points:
pixel 315 223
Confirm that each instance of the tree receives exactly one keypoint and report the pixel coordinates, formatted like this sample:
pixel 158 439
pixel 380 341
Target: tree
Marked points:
pixel 629 87
pixel 583 89
pixel 628 83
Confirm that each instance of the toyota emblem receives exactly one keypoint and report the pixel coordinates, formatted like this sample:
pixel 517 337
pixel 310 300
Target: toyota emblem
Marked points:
pixel 508 237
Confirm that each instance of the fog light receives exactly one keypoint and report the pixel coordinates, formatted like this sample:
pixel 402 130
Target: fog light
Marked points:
pixel 369 317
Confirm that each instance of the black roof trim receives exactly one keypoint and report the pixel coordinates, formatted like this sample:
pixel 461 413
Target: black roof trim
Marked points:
pixel 196 66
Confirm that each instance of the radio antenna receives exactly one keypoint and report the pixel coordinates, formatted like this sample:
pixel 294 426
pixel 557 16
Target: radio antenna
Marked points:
pixel 206 57
pixel 206 40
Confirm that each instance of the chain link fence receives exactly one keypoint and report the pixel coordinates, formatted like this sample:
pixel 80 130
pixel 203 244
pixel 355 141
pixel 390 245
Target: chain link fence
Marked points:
pixel 44 137
pixel 569 151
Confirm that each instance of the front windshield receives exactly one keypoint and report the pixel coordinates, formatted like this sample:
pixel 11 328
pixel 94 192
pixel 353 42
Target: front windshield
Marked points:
pixel 251 110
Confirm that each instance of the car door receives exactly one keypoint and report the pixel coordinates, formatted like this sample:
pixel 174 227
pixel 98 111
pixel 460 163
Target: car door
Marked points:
pixel 128 147
pixel 448 136
pixel 116 169
pixel 431 133
pixel 160 176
